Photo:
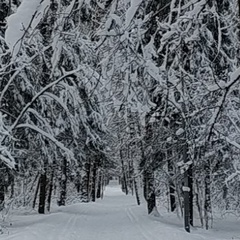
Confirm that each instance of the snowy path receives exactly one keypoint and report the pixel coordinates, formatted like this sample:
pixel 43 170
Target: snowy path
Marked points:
pixel 116 217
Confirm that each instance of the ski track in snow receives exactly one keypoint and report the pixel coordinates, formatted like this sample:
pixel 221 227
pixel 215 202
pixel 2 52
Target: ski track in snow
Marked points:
pixel 116 217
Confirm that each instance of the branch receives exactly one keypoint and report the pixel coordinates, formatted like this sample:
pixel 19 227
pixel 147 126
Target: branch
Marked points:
pixel 234 78
pixel 39 94
pixel 49 136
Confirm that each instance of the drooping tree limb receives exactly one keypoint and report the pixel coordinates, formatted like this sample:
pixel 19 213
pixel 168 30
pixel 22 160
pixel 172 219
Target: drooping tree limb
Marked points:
pixel 41 93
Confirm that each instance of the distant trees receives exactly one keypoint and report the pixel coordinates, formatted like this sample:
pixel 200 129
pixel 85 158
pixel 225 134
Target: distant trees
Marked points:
pixel 175 64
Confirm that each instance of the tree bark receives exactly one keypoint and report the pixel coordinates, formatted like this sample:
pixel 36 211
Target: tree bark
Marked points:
pixel 85 185
pixel 36 192
pixel 136 191
pixel 171 187
pixel 50 191
pixel 63 184
pixel 186 191
pixel 99 186
pixel 207 200
pixel 190 182
pixel 94 181
pixel 124 178
pixel 42 194
pixel 2 196
pixel 239 8
pixel 149 190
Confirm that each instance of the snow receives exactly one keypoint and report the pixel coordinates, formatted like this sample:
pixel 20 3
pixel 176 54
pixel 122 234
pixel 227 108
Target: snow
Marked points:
pixel 132 11
pixel 50 137
pixel 234 76
pixel 116 217
pixel 186 189
pixel 179 131
pixel 28 15
pixel 5 155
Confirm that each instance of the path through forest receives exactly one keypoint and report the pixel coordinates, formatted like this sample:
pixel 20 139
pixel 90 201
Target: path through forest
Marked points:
pixel 116 217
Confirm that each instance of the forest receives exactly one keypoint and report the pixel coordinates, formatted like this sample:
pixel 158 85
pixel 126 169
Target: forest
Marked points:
pixel 145 91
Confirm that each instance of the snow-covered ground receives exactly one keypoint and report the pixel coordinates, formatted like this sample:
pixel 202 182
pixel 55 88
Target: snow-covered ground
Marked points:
pixel 116 217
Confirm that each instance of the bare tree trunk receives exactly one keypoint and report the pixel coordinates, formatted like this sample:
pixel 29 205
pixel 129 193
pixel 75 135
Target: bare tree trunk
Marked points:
pixel 124 178
pixel 36 192
pixel 42 194
pixel 186 191
pixel 136 191
pixel 149 190
pixel 198 203
pixel 239 8
pixel 2 185
pixel 85 185
pixel 63 184
pixel 50 191
pixel 78 182
pixel 12 186
pixel 130 178
pixel 89 173
pixel 171 187
pixel 207 200
pixel 102 185
pixel 2 196
pixel 99 185
pixel 94 182
pixel 190 182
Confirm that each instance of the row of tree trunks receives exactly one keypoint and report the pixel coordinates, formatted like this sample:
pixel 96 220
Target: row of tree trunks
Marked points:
pixel 92 186
pixel 92 182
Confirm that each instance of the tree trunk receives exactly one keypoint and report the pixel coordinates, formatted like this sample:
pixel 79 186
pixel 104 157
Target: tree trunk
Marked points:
pixel 190 182
pixel 199 203
pixel 36 192
pixel 171 187
pixel 42 194
pixel 2 196
pixel 102 185
pixel 94 181
pixel 207 200
pixel 78 182
pixel 136 191
pixel 50 191
pixel 89 181
pixel 124 178
pixel 186 191
pixel 85 185
pixel 239 8
pixel 149 189
pixel 99 186
pixel 130 172
pixel 63 184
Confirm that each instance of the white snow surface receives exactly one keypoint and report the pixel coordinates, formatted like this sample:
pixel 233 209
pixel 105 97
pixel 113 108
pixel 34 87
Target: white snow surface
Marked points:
pixel 27 17
pixel 116 217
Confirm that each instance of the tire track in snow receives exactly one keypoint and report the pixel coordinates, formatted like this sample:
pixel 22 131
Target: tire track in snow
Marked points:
pixel 67 228
pixel 147 235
